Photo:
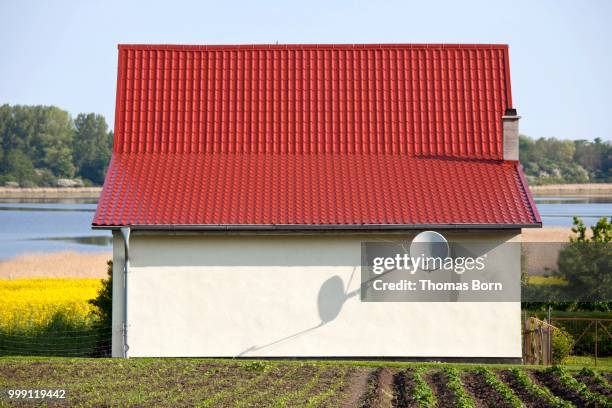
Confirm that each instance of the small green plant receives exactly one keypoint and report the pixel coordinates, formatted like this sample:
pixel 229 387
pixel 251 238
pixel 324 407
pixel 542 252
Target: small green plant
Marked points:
pixel 579 387
pixel 502 389
pixel 332 390
pixel 541 392
pixel 257 365
pixel 422 393
pixel 596 376
pixel 283 400
pixel 462 399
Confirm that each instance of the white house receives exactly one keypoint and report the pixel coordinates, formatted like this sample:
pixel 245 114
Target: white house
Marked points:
pixel 245 179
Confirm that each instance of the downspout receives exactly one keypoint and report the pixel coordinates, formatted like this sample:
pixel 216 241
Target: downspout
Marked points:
pixel 125 233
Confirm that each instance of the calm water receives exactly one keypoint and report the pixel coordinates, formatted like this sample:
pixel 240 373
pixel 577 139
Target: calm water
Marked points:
pixel 64 224
pixel 49 225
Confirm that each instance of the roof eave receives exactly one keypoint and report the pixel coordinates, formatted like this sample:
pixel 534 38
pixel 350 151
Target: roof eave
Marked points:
pixel 315 227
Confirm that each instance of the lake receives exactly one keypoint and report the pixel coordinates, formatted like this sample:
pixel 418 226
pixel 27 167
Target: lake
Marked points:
pixel 48 225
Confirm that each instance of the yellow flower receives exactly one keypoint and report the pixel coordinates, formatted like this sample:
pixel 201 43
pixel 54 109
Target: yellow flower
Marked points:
pixel 27 303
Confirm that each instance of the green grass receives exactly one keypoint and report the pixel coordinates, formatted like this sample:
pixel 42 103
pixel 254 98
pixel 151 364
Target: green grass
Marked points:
pixel 587 361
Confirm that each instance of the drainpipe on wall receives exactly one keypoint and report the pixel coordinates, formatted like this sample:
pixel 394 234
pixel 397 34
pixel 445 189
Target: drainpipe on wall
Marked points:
pixel 510 122
pixel 125 233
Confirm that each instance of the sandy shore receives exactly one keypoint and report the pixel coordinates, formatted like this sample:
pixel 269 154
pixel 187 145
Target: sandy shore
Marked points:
pixel 94 192
pixel 50 192
pixel 93 265
pixel 548 234
pixel 55 265
pixel 573 189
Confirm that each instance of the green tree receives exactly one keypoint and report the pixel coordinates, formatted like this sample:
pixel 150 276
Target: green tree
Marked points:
pixel 92 146
pixel 586 263
pixel 18 167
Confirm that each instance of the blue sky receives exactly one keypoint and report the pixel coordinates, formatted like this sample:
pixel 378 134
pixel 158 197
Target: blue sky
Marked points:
pixel 64 52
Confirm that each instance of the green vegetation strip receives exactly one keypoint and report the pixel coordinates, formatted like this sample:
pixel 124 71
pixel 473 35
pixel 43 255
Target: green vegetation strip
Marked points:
pixel 299 393
pixel 332 390
pixel 270 387
pixel 462 399
pixel 500 387
pixel 597 377
pixel 541 392
pixel 579 387
pixel 422 393
pixel 258 370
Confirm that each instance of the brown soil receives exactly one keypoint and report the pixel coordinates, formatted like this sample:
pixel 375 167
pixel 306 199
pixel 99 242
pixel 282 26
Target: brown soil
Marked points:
pixel 593 385
pixel 437 382
pixel 403 385
pixel 528 399
pixel 555 385
pixel 327 378
pixel 483 394
pixel 357 388
pixel 385 389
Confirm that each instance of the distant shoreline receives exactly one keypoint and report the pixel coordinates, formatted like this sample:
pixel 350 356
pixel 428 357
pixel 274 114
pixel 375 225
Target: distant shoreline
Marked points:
pixel 94 192
pixel 50 192
pixel 573 189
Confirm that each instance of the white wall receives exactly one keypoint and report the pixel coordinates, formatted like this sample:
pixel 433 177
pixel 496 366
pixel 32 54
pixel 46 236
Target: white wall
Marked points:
pixel 257 295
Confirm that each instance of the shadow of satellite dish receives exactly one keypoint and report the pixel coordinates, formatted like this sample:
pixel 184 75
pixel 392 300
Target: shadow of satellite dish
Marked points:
pixel 331 298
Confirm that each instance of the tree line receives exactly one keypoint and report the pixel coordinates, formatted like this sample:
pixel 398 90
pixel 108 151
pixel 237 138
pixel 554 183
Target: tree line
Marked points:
pixel 40 145
pixel 554 161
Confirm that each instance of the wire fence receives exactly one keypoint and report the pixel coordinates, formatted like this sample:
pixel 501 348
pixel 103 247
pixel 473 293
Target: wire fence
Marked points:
pixel 92 341
pixel 567 338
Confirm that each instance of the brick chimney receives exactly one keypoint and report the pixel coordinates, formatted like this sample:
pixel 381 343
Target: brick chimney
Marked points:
pixel 510 122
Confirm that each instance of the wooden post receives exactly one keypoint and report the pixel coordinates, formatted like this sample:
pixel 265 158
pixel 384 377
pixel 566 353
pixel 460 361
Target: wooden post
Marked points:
pixel 550 334
pixel 596 339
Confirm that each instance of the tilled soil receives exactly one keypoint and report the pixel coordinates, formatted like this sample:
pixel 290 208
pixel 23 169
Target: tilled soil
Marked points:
pixel 403 385
pixel 378 392
pixel 483 394
pixel 593 385
pixel 555 385
pixel 437 382
pixel 528 399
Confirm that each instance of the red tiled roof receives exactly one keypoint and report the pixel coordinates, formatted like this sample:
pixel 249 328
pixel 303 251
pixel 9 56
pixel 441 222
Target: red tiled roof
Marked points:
pixel 313 135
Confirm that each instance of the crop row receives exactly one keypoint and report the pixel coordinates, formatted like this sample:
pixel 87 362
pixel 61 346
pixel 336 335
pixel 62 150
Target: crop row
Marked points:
pixel 483 386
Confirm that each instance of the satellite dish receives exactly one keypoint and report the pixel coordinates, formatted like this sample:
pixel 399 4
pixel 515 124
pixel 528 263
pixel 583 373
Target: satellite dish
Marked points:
pixel 429 244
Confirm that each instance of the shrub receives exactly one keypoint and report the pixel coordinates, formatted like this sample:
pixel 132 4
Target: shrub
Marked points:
pixel 562 343
pixel 103 302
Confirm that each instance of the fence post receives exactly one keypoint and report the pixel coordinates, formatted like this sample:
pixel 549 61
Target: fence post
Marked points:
pixel 596 340
pixel 550 334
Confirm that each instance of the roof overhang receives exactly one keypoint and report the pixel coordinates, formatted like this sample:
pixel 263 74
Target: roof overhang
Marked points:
pixel 289 228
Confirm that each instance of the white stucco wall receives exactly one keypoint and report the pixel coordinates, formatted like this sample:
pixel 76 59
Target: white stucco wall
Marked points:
pixel 257 295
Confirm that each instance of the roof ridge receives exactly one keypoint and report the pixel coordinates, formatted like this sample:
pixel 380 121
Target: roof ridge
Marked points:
pixel 211 47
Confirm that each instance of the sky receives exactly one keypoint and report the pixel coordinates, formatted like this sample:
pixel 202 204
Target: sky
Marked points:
pixel 64 53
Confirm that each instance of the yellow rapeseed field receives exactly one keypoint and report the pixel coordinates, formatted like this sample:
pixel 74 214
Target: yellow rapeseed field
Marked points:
pixel 30 303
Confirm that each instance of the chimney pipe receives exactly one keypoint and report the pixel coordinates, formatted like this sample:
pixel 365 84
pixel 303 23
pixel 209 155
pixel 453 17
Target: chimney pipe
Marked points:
pixel 510 122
